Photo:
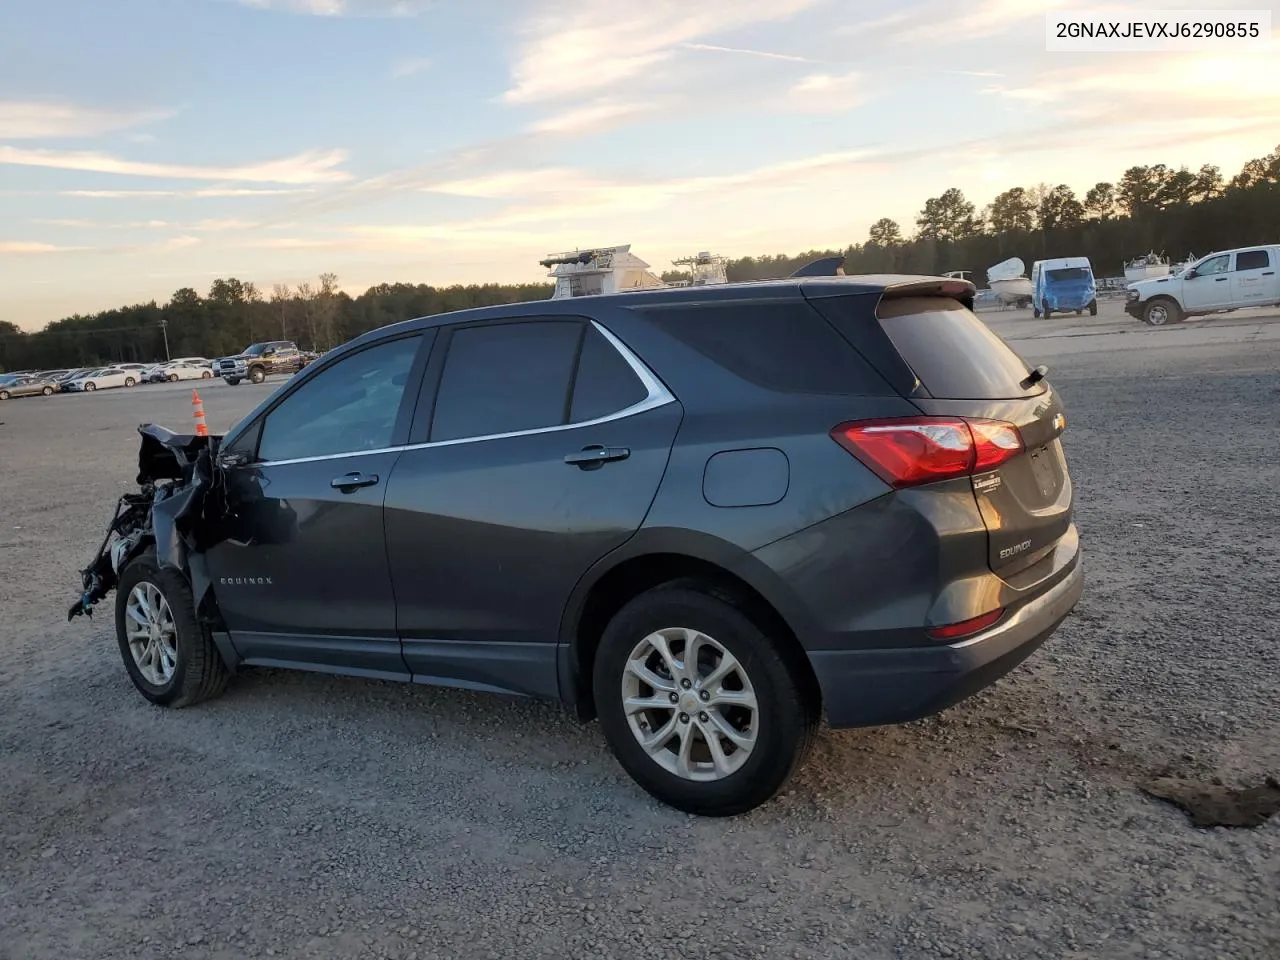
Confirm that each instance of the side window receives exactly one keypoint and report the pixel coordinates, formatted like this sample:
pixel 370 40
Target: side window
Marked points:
pixel 348 407
pixel 605 382
pixel 1215 266
pixel 1252 260
pixel 506 377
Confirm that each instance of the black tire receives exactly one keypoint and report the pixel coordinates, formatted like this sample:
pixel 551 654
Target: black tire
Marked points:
pixel 1047 313
pixel 90 386
pixel 172 378
pixel 1160 311
pixel 47 391
pixel 232 381
pixel 129 381
pixel 1035 313
pixel 257 375
pixel 786 718
pixel 199 672
pixel 4 394
pixel 1079 312
pixel 206 374
pixel 1093 308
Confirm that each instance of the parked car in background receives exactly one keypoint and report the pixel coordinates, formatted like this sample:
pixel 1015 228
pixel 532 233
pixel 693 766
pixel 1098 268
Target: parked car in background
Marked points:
pixel 1062 285
pixel 27 386
pixel 101 379
pixel 70 375
pixel 178 370
pixel 1219 283
pixel 260 360
pixel 51 374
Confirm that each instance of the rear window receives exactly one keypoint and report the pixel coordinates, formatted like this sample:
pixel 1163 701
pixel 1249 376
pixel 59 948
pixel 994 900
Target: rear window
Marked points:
pixel 955 354
pixel 1068 273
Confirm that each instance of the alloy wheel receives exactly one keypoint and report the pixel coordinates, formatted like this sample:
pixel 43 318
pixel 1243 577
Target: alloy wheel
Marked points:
pixel 152 634
pixel 690 704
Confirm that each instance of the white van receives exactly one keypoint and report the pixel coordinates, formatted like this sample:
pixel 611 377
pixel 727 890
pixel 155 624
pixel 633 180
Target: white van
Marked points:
pixel 1223 281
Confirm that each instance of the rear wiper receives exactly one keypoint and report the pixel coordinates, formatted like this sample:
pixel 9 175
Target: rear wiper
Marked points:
pixel 1034 377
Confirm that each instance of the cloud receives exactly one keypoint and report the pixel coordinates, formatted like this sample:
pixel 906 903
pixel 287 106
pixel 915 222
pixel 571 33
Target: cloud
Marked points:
pixel 342 8
pixel 26 247
pixel 763 54
pixel 959 22
pixel 410 67
pixel 595 117
pixel 312 166
pixel 569 51
pixel 49 119
pixel 208 225
pixel 207 192
pixel 828 93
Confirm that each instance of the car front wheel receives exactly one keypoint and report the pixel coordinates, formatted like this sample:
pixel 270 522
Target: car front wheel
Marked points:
pixel 257 375
pixel 129 381
pixel 1160 312
pixel 47 391
pixel 168 654
pixel 91 386
pixel 4 394
pixel 702 708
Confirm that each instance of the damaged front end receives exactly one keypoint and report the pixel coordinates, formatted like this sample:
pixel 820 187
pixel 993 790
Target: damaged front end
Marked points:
pixel 179 498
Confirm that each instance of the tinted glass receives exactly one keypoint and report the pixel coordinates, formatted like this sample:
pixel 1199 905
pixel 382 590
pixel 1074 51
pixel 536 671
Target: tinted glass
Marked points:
pixel 1068 273
pixel 605 382
pixel 349 406
pixel 1252 260
pixel 506 377
pixel 955 355
pixel 777 344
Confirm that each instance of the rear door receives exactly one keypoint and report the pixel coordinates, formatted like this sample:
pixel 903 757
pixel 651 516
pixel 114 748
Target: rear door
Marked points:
pixel 539 447
pixel 1253 278
pixel 970 372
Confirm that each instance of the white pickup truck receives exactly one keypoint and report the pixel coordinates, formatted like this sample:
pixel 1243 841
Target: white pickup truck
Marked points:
pixel 1227 280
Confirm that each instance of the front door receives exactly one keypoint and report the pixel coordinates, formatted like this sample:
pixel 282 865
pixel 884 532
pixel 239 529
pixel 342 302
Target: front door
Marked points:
pixel 302 578
pixel 1254 280
pixel 544 449
pixel 1210 288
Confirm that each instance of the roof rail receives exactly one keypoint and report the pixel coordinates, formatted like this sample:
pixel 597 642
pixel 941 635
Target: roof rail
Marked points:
pixel 825 267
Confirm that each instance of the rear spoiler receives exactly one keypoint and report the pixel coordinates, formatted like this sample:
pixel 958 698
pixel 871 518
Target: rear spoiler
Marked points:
pixel 825 267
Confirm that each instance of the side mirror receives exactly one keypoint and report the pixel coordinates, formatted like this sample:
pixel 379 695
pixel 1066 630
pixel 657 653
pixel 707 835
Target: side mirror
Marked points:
pixel 1191 274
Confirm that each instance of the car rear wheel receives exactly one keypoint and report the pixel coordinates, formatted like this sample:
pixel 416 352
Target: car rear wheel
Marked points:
pixel 91 386
pixel 129 381
pixel 4 394
pixel 206 374
pixel 47 391
pixel 257 375
pixel 702 708
pixel 173 378
pixel 168 654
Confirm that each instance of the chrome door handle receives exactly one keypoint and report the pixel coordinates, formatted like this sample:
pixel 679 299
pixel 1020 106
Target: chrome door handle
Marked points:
pixel 353 480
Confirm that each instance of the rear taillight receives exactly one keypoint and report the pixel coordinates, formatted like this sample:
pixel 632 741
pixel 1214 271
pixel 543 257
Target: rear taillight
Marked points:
pixel 908 451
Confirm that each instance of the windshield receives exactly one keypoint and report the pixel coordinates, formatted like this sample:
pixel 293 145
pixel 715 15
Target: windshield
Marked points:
pixel 255 349
pixel 1068 273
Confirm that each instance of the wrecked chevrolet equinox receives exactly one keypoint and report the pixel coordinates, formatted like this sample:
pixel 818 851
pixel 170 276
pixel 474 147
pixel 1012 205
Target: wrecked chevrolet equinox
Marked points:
pixel 707 516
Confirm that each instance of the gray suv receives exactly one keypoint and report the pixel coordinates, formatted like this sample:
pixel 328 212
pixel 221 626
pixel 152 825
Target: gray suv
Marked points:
pixel 708 517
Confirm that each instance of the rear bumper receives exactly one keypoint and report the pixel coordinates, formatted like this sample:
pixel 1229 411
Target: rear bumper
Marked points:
pixel 872 687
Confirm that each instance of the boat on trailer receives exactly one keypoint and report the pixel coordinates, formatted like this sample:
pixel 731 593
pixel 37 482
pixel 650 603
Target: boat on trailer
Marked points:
pixel 599 270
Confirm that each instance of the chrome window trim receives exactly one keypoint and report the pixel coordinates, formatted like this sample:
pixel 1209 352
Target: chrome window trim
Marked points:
pixel 657 396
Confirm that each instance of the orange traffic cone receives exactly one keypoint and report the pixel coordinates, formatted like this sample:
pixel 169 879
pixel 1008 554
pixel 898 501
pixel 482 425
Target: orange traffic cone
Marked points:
pixel 198 412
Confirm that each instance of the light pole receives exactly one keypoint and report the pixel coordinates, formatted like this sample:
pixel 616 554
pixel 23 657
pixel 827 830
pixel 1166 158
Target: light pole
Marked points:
pixel 164 328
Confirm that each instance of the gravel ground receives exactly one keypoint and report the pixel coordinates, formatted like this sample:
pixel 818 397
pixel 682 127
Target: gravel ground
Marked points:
pixel 303 815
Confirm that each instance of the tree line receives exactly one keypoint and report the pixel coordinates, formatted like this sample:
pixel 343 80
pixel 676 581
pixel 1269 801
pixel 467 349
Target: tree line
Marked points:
pixel 1179 212
pixel 1150 208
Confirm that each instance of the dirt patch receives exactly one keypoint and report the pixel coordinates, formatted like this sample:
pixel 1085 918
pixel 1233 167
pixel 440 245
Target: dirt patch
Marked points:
pixel 1216 805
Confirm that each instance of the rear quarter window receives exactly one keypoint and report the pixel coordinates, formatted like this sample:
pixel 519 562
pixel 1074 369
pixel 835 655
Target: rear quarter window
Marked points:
pixel 780 345
pixel 955 355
